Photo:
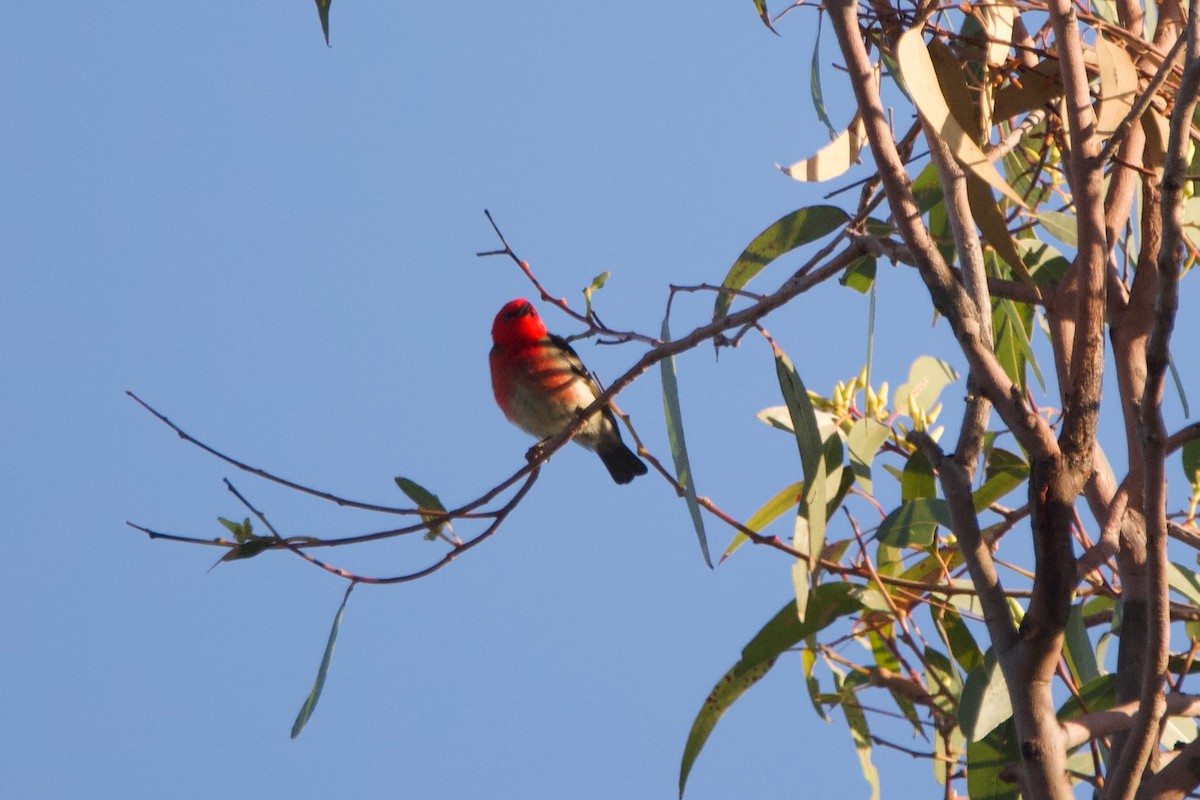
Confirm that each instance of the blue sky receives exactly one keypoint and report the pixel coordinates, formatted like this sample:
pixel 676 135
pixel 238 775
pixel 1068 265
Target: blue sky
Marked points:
pixel 273 242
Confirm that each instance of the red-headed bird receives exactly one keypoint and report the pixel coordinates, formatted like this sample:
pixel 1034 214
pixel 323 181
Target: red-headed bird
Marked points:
pixel 540 385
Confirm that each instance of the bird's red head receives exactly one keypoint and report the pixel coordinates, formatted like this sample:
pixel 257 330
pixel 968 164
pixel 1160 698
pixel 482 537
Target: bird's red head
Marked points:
pixel 518 323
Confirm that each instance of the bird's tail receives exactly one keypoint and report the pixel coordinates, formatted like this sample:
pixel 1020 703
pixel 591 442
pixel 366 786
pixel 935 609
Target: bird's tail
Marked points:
pixel 623 464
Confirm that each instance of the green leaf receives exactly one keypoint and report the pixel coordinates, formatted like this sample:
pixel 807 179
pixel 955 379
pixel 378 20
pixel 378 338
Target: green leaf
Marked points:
pixel 882 648
pixel 1098 694
pixel 784 235
pixel 942 680
pixel 242 531
pixel 323 11
pixel 247 549
pixel 986 761
pixel 1005 472
pixel 809 535
pixel 864 440
pixel 1081 656
pixel 683 467
pixel 596 284
pixel 958 638
pixel 927 189
pixel 918 482
pixel 860 275
pixel 1184 581
pixel 856 720
pixel 926 378
pixel 310 702
pixel 985 701
pixel 1013 323
pixel 1191 464
pixel 1061 226
pixel 1045 264
pixel 1178 385
pixel 761 7
pixel 814 82
pixel 914 523
pixel 785 630
pixel 428 504
pixel 808 659
pixel 767 513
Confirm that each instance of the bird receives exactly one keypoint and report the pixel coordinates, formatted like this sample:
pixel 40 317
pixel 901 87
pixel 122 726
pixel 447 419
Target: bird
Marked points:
pixel 540 384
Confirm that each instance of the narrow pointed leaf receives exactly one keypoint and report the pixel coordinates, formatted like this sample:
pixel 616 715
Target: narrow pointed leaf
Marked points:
pixel 323 11
pixel 784 235
pixel 310 702
pixel 809 535
pixel 922 82
pixel 683 467
pixel 761 7
pixel 856 720
pixel 818 97
pixel 914 523
pixel 985 702
pixel 833 159
pixel 785 630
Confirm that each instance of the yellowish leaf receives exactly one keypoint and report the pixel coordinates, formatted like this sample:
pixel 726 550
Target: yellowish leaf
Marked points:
pixel 1031 88
pixel 997 20
pixel 834 158
pixel 1158 134
pixel 921 79
pixel 1118 85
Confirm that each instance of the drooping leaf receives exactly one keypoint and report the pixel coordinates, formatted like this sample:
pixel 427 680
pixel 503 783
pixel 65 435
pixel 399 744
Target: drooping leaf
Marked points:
pixel 833 159
pixel 1183 401
pixel 918 481
pixel 985 701
pixel 428 504
pixel 814 81
pixel 323 12
pixel 809 535
pixel 1191 464
pixel 866 436
pixel 784 235
pixel 958 637
pixel 914 523
pixel 856 720
pixel 921 78
pixel 942 680
pixel 997 21
pixel 310 702
pixel 1118 85
pixel 768 512
pixel 1184 581
pixel 860 275
pixel 248 549
pixel 674 422
pixel 785 630
pixel 761 7
pixel 1077 647
pixel 1012 323
pixel 987 760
